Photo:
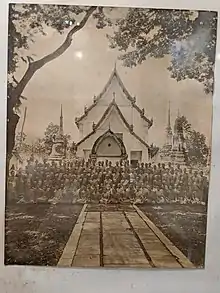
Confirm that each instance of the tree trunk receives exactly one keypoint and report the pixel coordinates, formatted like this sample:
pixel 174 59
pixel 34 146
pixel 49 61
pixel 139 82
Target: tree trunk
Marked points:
pixel 15 94
pixel 12 121
pixel 36 65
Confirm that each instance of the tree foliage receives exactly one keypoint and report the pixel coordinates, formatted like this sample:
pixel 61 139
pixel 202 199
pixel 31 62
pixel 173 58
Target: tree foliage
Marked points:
pixel 38 147
pixel 189 37
pixel 197 148
pixel 22 147
pixel 194 141
pixel 153 150
pixel 25 22
pixel 20 142
pixel 20 138
pixel 183 127
pixel 50 134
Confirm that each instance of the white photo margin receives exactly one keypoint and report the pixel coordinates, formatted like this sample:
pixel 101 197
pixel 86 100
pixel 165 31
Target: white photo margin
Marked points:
pixel 26 279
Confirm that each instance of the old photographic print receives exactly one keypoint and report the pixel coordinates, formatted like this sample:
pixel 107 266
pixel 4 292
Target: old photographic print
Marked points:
pixel 109 118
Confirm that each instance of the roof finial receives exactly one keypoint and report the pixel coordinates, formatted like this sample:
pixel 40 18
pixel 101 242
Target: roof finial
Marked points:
pixel 109 126
pixel 114 95
pixel 115 67
pixel 61 111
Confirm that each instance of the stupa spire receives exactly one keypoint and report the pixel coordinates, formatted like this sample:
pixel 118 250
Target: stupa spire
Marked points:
pixel 169 124
pixel 61 120
pixel 168 128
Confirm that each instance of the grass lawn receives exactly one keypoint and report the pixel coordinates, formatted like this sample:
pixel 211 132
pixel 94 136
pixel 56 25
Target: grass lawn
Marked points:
pixel 184 225
pixel 35 234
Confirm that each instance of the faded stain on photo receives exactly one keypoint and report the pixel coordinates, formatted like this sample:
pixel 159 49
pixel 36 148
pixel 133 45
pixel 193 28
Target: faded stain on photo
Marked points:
pixel 108 136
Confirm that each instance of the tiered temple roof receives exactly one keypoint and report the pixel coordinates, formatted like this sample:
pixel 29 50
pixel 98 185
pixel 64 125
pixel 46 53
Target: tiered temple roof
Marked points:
pixel 107 111
pixel 125 91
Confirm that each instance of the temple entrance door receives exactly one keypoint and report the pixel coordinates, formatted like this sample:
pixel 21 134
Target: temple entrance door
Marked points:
pixel 108 146
pixel 136 157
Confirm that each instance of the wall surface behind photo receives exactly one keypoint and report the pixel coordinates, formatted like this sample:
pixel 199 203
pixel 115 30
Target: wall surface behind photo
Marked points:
pixel 39 279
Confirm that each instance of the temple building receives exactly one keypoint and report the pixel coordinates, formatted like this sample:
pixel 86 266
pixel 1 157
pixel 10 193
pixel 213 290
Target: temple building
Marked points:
pixel 114 127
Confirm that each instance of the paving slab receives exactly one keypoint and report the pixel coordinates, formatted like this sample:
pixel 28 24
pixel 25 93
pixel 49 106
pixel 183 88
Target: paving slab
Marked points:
pixel 71 246
pixel 86 260
pixel 88 250
pixel 120 238
pixel 174 251
pixel 158 253
pixel 119 243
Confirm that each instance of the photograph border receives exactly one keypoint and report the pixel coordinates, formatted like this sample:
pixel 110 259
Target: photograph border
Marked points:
pixel 41 279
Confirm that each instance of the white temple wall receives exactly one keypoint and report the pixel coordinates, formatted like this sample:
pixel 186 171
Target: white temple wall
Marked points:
pixel 131 115
pixel 140 126
pixel 130 142
pixel 114 122
pixel 95 114
pixel 114 91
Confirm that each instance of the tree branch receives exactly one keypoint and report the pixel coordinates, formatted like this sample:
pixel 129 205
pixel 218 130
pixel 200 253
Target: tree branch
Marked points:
pixel 35 65
pixel 14 79
pixel 23 59
pixel 67 41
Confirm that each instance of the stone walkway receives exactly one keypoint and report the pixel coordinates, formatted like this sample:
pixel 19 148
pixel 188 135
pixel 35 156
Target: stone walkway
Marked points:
pixel 124 237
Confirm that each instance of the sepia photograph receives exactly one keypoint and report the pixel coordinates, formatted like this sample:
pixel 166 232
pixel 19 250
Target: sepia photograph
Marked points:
pixel 109 130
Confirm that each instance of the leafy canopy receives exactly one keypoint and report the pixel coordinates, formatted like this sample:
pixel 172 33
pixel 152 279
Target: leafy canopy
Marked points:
pixel 28 20
pixel 189 37
pixel 195 142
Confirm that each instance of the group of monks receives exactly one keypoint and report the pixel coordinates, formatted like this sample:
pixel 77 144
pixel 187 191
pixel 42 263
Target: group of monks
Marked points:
pixel 102 182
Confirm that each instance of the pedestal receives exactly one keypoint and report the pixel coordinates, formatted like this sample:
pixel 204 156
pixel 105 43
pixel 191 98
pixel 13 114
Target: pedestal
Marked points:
pixel 58 151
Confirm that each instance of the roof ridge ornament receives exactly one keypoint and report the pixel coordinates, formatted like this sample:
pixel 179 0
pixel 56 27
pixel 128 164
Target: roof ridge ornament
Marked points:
pixel 93 126
pixel 114 95
pixel 115 66
pixel 133 100
pixel 129 127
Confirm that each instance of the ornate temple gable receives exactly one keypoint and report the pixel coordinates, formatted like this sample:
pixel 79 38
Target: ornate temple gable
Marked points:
pixel 108 134
pixel 121 116
pixel 115 77
pixel 112 105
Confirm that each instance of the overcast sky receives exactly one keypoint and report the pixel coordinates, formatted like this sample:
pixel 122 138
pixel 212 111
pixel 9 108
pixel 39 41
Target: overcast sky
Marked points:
pixel 82 72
